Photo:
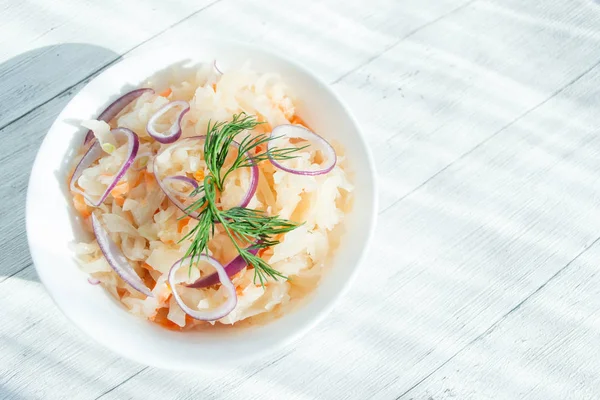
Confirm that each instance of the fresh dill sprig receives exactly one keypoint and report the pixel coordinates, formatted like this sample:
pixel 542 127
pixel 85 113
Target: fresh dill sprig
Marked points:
pixel 219 140
pixel 247 228
pixel 256 224
pixel 249 143
pixel 261 268
pixel 202 232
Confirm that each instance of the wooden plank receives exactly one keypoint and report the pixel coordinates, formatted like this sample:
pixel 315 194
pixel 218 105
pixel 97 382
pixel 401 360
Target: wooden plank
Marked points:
pixel 43 355
pixel 47 47
pixel 331 37
pixel 23 138
pixel 436 96
pixel 26 81
pixel 546 348
pixel 514 213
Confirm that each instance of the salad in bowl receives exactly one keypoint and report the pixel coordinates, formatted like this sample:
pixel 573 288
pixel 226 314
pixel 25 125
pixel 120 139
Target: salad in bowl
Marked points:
pixel 209 199
pixel 200 206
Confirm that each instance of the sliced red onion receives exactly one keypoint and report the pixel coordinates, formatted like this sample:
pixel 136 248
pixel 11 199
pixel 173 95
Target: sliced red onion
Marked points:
pixel 253 181
pixel 117 261
pixel 116 107
pixel 297 131
pixel 174 131
pixel 94 153
pixel 216 67
pixel 206 315
pixel 243 203
pixel 171 193
pixel 134 166
pixel 93 281
pixel 235 266
pixel 180 178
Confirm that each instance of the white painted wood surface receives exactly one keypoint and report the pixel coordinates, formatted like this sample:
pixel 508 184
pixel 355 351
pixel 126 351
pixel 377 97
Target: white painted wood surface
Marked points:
pixel 483 280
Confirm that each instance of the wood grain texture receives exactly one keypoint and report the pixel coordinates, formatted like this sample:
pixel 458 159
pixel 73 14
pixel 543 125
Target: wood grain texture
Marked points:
pixel 543 349
pixel 43 355
pixel 46 48
pixel 481 282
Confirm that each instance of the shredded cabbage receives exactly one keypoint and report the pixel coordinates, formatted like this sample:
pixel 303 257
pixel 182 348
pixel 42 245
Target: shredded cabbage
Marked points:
pixel 149 229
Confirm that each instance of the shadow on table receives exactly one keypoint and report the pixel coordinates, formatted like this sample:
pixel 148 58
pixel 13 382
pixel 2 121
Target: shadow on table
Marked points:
pixel 37 85
pixel 9 394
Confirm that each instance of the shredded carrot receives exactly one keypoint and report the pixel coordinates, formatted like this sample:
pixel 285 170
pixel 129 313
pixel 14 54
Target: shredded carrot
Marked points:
pixel 120 201
pixel 266 127
pixel 168 324
pixel 182 223
pixel 214 87
pixel 165 93
pixel 199 175
pixel 147 267
pixel 149 179
pixel 165 296
pixel 118 192
pixel 148 280
pixel 138 179
pixel 261 252
pixel 299 121
pixel 121 188
pixel 80 205
pixel 161 318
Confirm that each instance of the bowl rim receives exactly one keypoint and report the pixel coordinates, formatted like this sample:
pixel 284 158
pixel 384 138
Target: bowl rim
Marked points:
pixel 284 341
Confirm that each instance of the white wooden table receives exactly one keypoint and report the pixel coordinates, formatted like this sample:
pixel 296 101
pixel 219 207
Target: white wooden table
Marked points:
pixel 484 279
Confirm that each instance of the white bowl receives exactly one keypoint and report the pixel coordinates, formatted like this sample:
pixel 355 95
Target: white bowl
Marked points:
pixel 52 223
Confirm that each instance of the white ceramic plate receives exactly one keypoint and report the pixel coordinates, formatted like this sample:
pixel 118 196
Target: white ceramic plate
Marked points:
pixel 52 224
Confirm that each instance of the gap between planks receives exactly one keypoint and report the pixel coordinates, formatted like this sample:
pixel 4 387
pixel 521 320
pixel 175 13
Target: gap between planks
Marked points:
pixel 500 320
pixel 397 42
pixel 531 295
pixel 484 141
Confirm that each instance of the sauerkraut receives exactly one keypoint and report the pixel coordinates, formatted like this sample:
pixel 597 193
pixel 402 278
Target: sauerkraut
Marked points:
pixel 149 228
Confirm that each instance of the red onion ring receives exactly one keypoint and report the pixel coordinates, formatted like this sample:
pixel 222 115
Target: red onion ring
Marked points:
pixel 117 261
pixel 217 68
pixel 209 315
pixel 174 131
pixel 253 180
pixel 93 281
pixel 116 107
pixel 297 131
pixel 243 203
pixel 171 192
pixel 235 266
pixel 181 178
pixel 94 153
